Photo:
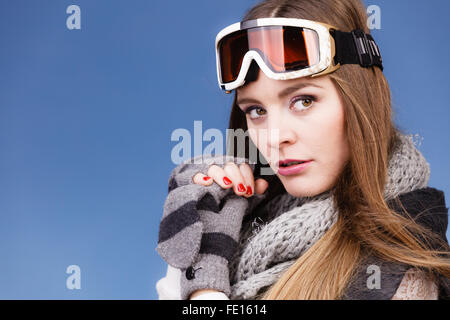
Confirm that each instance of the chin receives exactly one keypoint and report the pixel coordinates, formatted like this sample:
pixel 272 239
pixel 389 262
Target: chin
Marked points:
pixel 305 190
pixel 299 192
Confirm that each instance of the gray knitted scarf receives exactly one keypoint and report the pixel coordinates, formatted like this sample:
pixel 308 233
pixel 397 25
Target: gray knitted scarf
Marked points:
pixel 267 249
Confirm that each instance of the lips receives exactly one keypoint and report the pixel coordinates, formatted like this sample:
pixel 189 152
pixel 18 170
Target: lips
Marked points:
pixel 290 162
pixel 292 170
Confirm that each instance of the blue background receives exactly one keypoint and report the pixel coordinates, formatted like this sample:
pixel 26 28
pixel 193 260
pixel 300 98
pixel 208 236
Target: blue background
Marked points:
pixel 86 118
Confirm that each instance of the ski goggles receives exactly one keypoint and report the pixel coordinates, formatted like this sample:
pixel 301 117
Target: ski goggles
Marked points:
pixel 288 48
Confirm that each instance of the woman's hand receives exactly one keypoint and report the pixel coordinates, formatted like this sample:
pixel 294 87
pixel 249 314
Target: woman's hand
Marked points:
pixel 239 177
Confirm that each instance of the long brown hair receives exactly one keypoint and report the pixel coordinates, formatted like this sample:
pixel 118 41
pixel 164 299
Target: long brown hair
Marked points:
pixel 365 220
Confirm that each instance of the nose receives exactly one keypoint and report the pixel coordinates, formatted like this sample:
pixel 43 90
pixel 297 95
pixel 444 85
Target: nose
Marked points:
pixel 280 133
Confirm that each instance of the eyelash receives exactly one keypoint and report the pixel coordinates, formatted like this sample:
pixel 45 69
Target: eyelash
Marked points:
pixel 295 100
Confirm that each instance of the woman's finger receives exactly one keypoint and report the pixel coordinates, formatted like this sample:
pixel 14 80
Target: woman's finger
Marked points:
pixel 232 170
pixel 220 176
pixel 249 180
pixel 261 186
pixel 202 179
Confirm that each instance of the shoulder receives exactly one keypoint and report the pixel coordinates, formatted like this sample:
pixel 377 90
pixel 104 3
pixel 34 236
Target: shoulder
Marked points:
pixel 426 206
pixel 424 198
pixel 418 200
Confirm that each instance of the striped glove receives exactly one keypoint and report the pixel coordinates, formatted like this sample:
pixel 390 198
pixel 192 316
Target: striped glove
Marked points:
pixel 200 227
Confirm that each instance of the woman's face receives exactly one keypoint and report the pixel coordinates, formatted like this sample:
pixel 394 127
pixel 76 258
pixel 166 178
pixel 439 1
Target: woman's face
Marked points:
pixel 309 115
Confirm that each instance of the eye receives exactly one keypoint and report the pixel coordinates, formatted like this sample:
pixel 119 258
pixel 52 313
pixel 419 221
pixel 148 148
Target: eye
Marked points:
pixel 305 102
pixel 255 112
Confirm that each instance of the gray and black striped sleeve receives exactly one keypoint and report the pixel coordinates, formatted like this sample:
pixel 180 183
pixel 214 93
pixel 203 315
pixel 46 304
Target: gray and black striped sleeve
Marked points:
pixel 221 226
pixel 181 229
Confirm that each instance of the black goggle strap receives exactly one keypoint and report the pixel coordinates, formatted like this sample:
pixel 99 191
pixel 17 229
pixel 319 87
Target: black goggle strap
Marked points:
pixel 356 47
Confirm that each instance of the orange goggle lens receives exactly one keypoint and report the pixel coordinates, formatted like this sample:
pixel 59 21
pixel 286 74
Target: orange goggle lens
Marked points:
pixel 283 49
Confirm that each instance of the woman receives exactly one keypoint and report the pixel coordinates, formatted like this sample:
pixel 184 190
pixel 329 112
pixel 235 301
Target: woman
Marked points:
pixel 356 221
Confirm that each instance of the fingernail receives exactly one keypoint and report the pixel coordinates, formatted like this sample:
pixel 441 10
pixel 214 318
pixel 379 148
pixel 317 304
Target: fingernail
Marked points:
pixel 241 187
pixel 227 181
pixel 206 178
pixel 249 190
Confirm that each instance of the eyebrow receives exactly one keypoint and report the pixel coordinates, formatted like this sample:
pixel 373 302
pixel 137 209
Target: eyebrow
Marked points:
pixel 283 93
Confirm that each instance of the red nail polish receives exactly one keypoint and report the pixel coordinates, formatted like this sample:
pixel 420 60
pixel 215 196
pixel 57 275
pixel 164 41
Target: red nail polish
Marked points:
pixel 241 187
pixel 227 181
pixel 206 178
pixel 249 190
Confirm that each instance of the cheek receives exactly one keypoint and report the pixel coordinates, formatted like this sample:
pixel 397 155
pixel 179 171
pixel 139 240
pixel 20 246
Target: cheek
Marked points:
pixel 332 136
pixel 256 136
pixel 259 139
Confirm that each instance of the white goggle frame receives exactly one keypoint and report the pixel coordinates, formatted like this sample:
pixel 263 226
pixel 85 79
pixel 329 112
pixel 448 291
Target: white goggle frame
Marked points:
pixel 327 51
